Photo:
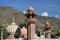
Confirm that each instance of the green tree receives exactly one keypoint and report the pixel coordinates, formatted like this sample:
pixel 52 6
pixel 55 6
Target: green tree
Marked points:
pixel 5 33
pixel 23 25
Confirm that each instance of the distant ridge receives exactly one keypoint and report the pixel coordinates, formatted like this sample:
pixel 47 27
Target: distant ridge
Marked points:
pixel 6 16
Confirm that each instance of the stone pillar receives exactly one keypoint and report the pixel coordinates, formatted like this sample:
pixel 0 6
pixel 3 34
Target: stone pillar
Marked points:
pixel 31 31
pixel 30 23
pixel 47 30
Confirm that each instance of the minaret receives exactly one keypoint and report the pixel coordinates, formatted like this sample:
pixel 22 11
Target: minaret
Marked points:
pixel 30 20
pixel 47 30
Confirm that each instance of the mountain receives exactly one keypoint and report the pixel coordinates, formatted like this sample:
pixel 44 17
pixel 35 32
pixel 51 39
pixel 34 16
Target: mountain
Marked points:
pixel 54 22
pixel 7 13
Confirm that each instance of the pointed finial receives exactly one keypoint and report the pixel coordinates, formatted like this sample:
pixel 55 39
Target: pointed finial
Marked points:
pixel 30 4
pixel 13 20
pixel 30 7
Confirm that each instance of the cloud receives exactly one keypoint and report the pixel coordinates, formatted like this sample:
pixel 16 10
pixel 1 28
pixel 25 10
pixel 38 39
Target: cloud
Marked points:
pixel 24 12
pixel 56 16
pixel 44 14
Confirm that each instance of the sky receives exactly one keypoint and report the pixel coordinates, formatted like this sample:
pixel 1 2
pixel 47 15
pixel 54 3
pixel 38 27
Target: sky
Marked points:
pixel 42 7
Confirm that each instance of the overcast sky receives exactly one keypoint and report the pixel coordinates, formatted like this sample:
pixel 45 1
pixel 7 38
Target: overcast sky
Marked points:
pixel 42 7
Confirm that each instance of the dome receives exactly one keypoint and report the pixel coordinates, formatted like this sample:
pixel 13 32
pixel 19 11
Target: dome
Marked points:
pixel 12 28
pixel 30 8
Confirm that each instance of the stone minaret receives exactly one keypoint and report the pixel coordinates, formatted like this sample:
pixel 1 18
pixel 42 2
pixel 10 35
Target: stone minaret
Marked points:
pixel 30 20
pixel 47 30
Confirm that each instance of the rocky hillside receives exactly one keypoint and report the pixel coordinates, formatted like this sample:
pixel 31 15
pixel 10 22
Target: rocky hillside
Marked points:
pixel 7 13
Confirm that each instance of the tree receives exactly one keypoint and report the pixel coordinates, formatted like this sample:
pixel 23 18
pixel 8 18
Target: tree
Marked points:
pixel 23 25
pixel 5 33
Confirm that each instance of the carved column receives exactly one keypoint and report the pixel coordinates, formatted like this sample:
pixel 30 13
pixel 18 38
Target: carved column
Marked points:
pixel 47 30
pixel 30 20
